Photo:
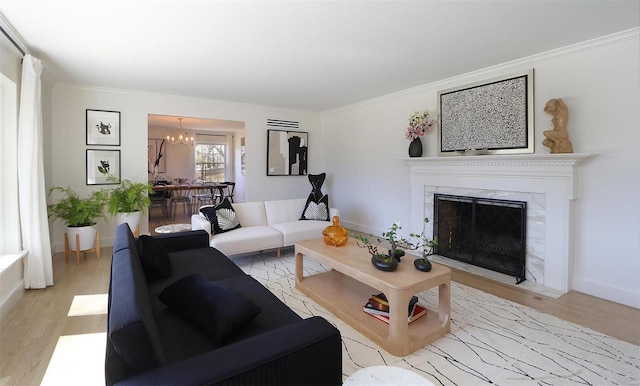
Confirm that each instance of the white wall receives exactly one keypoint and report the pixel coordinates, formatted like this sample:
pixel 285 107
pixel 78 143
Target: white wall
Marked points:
pixel 179 159
pixel 68 141
pixel 600 83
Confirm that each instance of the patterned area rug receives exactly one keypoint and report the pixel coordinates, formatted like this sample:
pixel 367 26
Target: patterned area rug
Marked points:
pixel 492 340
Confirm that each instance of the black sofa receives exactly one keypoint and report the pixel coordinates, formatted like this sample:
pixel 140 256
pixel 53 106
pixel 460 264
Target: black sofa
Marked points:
pixel 149 343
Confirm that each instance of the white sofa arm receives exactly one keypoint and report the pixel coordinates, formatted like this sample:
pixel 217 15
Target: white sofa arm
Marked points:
pixel 198 222
pixel 333 212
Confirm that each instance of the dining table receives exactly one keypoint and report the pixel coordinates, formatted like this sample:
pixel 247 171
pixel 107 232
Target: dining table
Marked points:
pixel 212 186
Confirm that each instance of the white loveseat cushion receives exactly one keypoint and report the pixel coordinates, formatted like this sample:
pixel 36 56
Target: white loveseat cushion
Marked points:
pixel 250 213
pixel 283 211
pixel 247 239
pixel 295 231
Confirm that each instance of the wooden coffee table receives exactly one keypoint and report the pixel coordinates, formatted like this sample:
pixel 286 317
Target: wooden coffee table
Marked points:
pixel 345 289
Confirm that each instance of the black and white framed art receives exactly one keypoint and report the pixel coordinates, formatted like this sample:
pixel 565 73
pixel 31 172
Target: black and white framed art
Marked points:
pixel 493 116
pixel 287 153
pixel 103 127
pixel 103 167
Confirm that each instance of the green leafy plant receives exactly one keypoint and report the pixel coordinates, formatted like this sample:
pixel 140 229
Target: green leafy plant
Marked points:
pixel 398 242
pixel 129 197
pixel 76 211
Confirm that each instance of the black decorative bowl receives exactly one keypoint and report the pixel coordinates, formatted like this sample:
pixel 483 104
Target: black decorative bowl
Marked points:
pixel 384 265
pixel 423 265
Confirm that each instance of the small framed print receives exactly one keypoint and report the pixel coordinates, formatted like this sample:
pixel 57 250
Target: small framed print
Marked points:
pixel 103 167
pixel 103 128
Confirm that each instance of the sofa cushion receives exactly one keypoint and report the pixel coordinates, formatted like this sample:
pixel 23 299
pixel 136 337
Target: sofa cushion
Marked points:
pixel 247 239
pixel 206 261
pixel 216 309
pixel 222 216
pixel 182 339
pixel 250 213
pixel 279 211
pixel 131 327
pixel 295 231
pixel 154 258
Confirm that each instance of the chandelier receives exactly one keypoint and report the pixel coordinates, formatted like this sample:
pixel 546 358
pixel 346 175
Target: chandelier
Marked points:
pixel 181 140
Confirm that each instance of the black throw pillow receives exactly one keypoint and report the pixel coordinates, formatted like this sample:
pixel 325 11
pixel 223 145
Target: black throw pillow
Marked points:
pixel 217 310
pixel 222 216
pixel 154 257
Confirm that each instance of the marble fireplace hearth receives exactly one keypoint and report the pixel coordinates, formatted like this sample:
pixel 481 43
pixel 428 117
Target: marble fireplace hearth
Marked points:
pixel 547 182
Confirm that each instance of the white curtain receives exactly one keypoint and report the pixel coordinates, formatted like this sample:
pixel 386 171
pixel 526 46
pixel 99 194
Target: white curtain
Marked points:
pixel 38 268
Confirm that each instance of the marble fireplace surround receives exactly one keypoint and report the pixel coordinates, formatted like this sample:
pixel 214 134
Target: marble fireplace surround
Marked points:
pixel 547 182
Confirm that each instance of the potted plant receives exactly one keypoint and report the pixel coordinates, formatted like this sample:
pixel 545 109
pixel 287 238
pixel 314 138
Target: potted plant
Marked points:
pixel 389 261
pixel 382 261
pixel 423 263
pixel 79 214
pixel 129 201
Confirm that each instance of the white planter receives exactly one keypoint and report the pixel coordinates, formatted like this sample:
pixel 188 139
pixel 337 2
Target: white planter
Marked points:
pixel 87 237
pixel 131 218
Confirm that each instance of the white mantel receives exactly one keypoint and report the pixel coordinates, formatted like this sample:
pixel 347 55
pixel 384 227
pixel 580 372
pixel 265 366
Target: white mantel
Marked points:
pixel 553 175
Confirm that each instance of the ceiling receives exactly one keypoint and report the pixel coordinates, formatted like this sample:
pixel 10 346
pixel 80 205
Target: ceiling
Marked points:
pixel 195 125
pixel 309 55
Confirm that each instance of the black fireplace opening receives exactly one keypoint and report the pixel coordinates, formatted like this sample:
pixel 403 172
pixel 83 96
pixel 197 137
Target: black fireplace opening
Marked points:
pixel 484 232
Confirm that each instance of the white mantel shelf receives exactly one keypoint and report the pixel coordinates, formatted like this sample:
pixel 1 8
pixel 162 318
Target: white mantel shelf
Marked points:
pixel 566 159
pixel 550 166
pixel 553 175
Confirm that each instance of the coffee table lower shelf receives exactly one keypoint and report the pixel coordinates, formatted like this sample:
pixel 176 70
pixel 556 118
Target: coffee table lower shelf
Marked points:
pixel 345 297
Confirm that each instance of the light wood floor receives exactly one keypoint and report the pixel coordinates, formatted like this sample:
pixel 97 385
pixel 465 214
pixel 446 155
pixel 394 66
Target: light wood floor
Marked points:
pixel 30 332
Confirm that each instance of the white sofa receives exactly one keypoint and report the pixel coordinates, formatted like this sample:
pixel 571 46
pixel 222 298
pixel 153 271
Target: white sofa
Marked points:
pixel 264 225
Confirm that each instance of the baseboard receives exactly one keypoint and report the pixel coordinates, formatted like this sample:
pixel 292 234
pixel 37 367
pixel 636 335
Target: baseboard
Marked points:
pixel 12 299
pixel 11 282
pixel 606 291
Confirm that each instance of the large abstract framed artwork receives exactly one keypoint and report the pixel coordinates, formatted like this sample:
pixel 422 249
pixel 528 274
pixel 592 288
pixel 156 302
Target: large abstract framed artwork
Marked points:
pixel 488 117
pixel 101 164
pixel 103 128
pixel 287 153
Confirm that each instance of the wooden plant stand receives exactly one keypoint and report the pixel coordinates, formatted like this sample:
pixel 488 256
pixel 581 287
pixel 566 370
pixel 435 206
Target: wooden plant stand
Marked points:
pixel 96 248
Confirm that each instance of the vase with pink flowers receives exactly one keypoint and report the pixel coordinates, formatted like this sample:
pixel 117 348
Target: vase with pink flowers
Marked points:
pixel 419 125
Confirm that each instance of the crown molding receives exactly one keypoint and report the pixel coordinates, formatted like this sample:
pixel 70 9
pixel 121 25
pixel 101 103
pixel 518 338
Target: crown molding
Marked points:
pixel 501 68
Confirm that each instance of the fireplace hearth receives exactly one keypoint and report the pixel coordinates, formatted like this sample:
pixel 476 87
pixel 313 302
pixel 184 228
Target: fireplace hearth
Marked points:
pixel 487 233
pixel 548 183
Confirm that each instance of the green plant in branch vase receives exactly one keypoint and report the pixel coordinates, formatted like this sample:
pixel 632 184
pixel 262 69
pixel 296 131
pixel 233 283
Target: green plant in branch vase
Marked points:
pixel 397 242
pixel 427 245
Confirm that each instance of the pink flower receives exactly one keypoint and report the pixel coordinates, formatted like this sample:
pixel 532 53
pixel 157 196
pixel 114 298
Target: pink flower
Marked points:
pixel 419 124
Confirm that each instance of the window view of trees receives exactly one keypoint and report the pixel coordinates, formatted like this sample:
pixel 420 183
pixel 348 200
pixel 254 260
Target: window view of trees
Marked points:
pixel 210 162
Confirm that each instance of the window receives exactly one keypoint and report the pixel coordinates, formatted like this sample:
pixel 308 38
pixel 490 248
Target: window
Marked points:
pixel 210 162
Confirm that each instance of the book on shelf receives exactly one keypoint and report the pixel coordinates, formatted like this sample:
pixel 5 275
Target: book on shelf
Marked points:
pixel 378 304
pixel 418 311
pixel 378 307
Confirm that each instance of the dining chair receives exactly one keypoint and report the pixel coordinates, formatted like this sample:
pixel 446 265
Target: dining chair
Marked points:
pixel 201 194
pixel 181 194
pixel 160 200
pixel 231 187
pixel 218 191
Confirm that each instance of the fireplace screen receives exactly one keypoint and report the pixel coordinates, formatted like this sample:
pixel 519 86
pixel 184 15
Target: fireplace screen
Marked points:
pixel 484 232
